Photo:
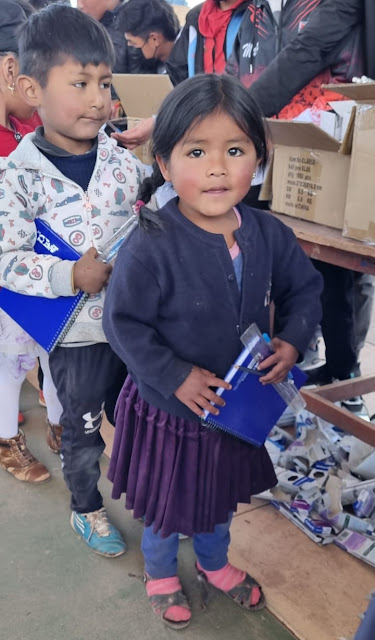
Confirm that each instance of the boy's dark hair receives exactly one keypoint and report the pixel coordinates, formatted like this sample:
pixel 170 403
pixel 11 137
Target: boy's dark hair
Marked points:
pixel 189 103
pixel 142 17
pixel 59 32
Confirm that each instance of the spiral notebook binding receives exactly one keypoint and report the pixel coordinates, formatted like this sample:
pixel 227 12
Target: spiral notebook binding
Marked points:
pixel 67 322
pixel 217 426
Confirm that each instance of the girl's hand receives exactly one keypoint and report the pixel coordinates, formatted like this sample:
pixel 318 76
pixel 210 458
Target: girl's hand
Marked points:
pixel 195 392
pixel 281 361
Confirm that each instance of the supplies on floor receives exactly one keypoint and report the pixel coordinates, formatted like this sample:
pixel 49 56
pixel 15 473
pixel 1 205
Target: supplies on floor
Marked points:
pixel 326 484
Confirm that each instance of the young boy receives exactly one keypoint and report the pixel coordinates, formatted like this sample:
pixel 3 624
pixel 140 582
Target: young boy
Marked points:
pixel 75 178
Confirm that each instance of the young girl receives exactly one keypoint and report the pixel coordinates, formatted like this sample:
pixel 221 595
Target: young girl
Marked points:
pixel 182 292
pixel 18 351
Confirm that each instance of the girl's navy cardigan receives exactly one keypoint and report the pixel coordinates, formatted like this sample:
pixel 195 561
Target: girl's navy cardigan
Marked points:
pixel 173 299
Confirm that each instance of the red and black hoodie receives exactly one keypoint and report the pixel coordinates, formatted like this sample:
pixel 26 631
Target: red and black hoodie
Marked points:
pixel 261 38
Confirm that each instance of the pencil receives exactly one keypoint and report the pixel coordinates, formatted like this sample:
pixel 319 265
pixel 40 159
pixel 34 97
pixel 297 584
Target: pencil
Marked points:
pixel 255 372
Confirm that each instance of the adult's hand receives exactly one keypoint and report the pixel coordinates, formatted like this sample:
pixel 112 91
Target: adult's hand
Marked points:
pixel 132 138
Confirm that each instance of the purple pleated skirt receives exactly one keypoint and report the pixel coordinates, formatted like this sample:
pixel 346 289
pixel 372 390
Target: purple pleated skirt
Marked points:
pixel 177 474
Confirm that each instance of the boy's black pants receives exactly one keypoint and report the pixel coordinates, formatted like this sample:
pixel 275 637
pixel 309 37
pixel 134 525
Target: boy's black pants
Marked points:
pixel 85 377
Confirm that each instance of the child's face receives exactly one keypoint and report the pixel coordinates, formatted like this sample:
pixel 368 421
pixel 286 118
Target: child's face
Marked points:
pixel 211 168
pixel 148 45
pixel 75 103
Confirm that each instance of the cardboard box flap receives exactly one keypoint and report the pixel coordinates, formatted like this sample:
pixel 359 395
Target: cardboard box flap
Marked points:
pixel 141 94
pixel 342 107
pixel 301 134
pixel 355 91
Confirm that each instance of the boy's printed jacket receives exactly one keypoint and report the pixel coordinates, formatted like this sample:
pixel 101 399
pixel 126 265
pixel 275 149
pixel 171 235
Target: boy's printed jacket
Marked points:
pixel 31 187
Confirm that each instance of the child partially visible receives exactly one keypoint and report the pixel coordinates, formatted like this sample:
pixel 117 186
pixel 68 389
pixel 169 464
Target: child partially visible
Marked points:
pixel 18 352
pixel 182 292
pixel 76 179
pixel 13 108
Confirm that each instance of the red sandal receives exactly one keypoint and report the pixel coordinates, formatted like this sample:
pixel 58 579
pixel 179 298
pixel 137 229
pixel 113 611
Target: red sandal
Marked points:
pixel 164 594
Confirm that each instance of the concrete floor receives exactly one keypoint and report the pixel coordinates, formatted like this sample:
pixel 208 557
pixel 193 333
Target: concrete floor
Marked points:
pixel 53 587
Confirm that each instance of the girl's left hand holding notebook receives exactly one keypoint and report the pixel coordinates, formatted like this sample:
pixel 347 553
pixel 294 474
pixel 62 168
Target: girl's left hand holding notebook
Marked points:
pixel 284 358
pixel 196 393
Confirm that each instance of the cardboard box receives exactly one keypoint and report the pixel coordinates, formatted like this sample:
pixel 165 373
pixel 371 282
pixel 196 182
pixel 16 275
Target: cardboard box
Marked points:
pixel 334 122
pixel 309 173
pixel 359 220
pixel 180 10
pixel 141 96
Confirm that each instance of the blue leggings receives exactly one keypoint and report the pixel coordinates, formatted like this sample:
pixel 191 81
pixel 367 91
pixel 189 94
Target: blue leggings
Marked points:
pixel 160 554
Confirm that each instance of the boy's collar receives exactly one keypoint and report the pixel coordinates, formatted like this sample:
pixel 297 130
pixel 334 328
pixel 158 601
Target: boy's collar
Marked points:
pixel 47 147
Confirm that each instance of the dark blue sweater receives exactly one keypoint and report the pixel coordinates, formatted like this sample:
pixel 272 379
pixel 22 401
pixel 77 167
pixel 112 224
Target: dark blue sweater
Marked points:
pixel 173 299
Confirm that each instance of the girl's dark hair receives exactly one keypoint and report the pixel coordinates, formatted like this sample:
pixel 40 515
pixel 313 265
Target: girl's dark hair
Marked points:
pixel 28 7
pixel 58 32
pixel 141 17
pixel 189 103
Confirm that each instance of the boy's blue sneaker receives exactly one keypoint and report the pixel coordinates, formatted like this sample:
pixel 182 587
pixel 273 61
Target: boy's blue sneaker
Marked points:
pixel 96 530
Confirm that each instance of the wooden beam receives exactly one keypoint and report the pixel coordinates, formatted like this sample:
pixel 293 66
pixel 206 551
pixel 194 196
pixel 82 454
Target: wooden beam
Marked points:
pixel 346 388
pixel 338 257
pixel 329 245
pixel 341 418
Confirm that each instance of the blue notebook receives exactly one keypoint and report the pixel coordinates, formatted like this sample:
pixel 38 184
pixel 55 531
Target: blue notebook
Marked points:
pixel 251 409
pixel 47 320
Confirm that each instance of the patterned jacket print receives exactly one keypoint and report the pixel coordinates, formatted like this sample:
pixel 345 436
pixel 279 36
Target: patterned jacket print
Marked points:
pixel 260 39
pixel 31 187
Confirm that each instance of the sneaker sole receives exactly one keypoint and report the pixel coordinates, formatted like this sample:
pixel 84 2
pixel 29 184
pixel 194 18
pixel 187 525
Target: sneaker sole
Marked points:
pixel 311 366
pixel 99 553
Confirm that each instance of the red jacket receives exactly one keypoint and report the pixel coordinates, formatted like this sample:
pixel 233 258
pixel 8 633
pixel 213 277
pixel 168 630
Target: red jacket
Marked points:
pixel 9 138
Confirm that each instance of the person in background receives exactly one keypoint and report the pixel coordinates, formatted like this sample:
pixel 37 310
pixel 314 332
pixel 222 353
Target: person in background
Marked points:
pixel 18 352
pixel 269 27
pixel 151 26
pixel 206 41
pixel 71 167
pixel 318 44
pixel 106 12
pixel 186 284
pixel 203 46
pixel 284 52
pixel 315 48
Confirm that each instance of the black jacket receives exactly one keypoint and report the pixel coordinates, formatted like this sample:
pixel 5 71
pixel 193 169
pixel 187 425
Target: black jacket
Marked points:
pixel 177 64
pixel 317 41
pixel 128 59
pixel 317 47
